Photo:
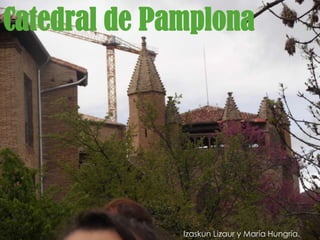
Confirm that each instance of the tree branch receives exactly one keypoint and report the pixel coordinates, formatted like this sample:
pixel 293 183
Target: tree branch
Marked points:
pixel 267 7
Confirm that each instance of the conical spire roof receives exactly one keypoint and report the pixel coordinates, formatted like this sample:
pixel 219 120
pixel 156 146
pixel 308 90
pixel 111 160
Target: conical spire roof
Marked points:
pixel 270 109
pixel 264 109
pixel 172 113
pixel 282 112
pixel 231 111
pixel 145 77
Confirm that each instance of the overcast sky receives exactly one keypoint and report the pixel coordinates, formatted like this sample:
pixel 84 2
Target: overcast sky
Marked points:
pixel 249 64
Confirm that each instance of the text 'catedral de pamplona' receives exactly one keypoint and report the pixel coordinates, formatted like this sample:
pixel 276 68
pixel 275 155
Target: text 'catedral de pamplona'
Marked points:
pixel 192 21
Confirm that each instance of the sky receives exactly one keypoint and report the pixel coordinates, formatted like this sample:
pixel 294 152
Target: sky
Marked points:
pixel 251 64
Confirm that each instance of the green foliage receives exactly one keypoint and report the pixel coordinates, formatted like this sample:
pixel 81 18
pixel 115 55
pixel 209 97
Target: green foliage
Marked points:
pixel 184 186
pixel 104 172
pixel 104 176
pixel 216 188
pixel 23 213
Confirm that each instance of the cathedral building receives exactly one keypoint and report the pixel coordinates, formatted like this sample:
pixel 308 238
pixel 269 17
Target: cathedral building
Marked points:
pixel 148 112
pixel 32 83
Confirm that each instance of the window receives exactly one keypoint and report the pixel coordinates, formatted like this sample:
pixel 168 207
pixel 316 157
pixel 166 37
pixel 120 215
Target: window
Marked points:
pixel 28 111
pixel 145 132
pixel 82 158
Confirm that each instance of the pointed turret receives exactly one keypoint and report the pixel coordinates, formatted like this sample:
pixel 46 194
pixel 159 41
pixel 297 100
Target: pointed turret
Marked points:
pixel 264 109
pixel 281 111
pixel 270 109
pixel 173 124
pixel 146 102
pixel 231 111
pixel 145 77
pixel 172 114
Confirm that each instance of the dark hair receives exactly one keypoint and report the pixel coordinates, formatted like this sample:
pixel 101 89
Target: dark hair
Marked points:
pixel 140 229
pixel 97 220
pixel 134 217
pixel 128 208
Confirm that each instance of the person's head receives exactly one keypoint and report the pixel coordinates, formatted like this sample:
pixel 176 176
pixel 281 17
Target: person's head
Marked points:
pixel 134 216
pixel 97 226
pixel 140 230
pixel 128 208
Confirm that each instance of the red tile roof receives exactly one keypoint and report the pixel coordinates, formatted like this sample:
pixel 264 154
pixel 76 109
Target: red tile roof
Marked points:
pixel 99 120
pixel 68 65
pixel 208 114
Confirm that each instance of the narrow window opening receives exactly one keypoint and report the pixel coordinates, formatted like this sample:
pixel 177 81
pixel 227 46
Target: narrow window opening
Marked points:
pixel 28 111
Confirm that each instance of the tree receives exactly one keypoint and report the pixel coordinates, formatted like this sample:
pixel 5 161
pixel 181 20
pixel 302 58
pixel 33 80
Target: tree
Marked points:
pixel 104 172
pixel 306 14
pixel 185 187
pixel 24 213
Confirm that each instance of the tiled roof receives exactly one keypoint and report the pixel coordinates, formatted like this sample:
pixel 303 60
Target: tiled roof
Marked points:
pixel 30 41
pixel 68 65
pixel 208 114
pixel 203 115
pixel 99 120
pixel 91 118
pixel 145 77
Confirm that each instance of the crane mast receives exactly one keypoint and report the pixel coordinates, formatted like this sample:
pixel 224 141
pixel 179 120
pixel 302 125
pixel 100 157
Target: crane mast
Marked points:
pixel 111 43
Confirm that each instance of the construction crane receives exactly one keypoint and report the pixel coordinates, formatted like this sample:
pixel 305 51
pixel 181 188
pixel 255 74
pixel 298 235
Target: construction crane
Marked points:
pixel 111 43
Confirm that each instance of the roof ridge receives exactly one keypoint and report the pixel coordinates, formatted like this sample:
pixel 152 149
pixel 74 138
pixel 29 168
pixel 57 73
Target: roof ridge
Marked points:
pixel 68 64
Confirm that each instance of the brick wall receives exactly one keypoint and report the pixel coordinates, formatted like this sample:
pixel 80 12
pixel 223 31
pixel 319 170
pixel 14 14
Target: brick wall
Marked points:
pixel 55 153
pixel 113 130
pixel 15 64
pixel 144 136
